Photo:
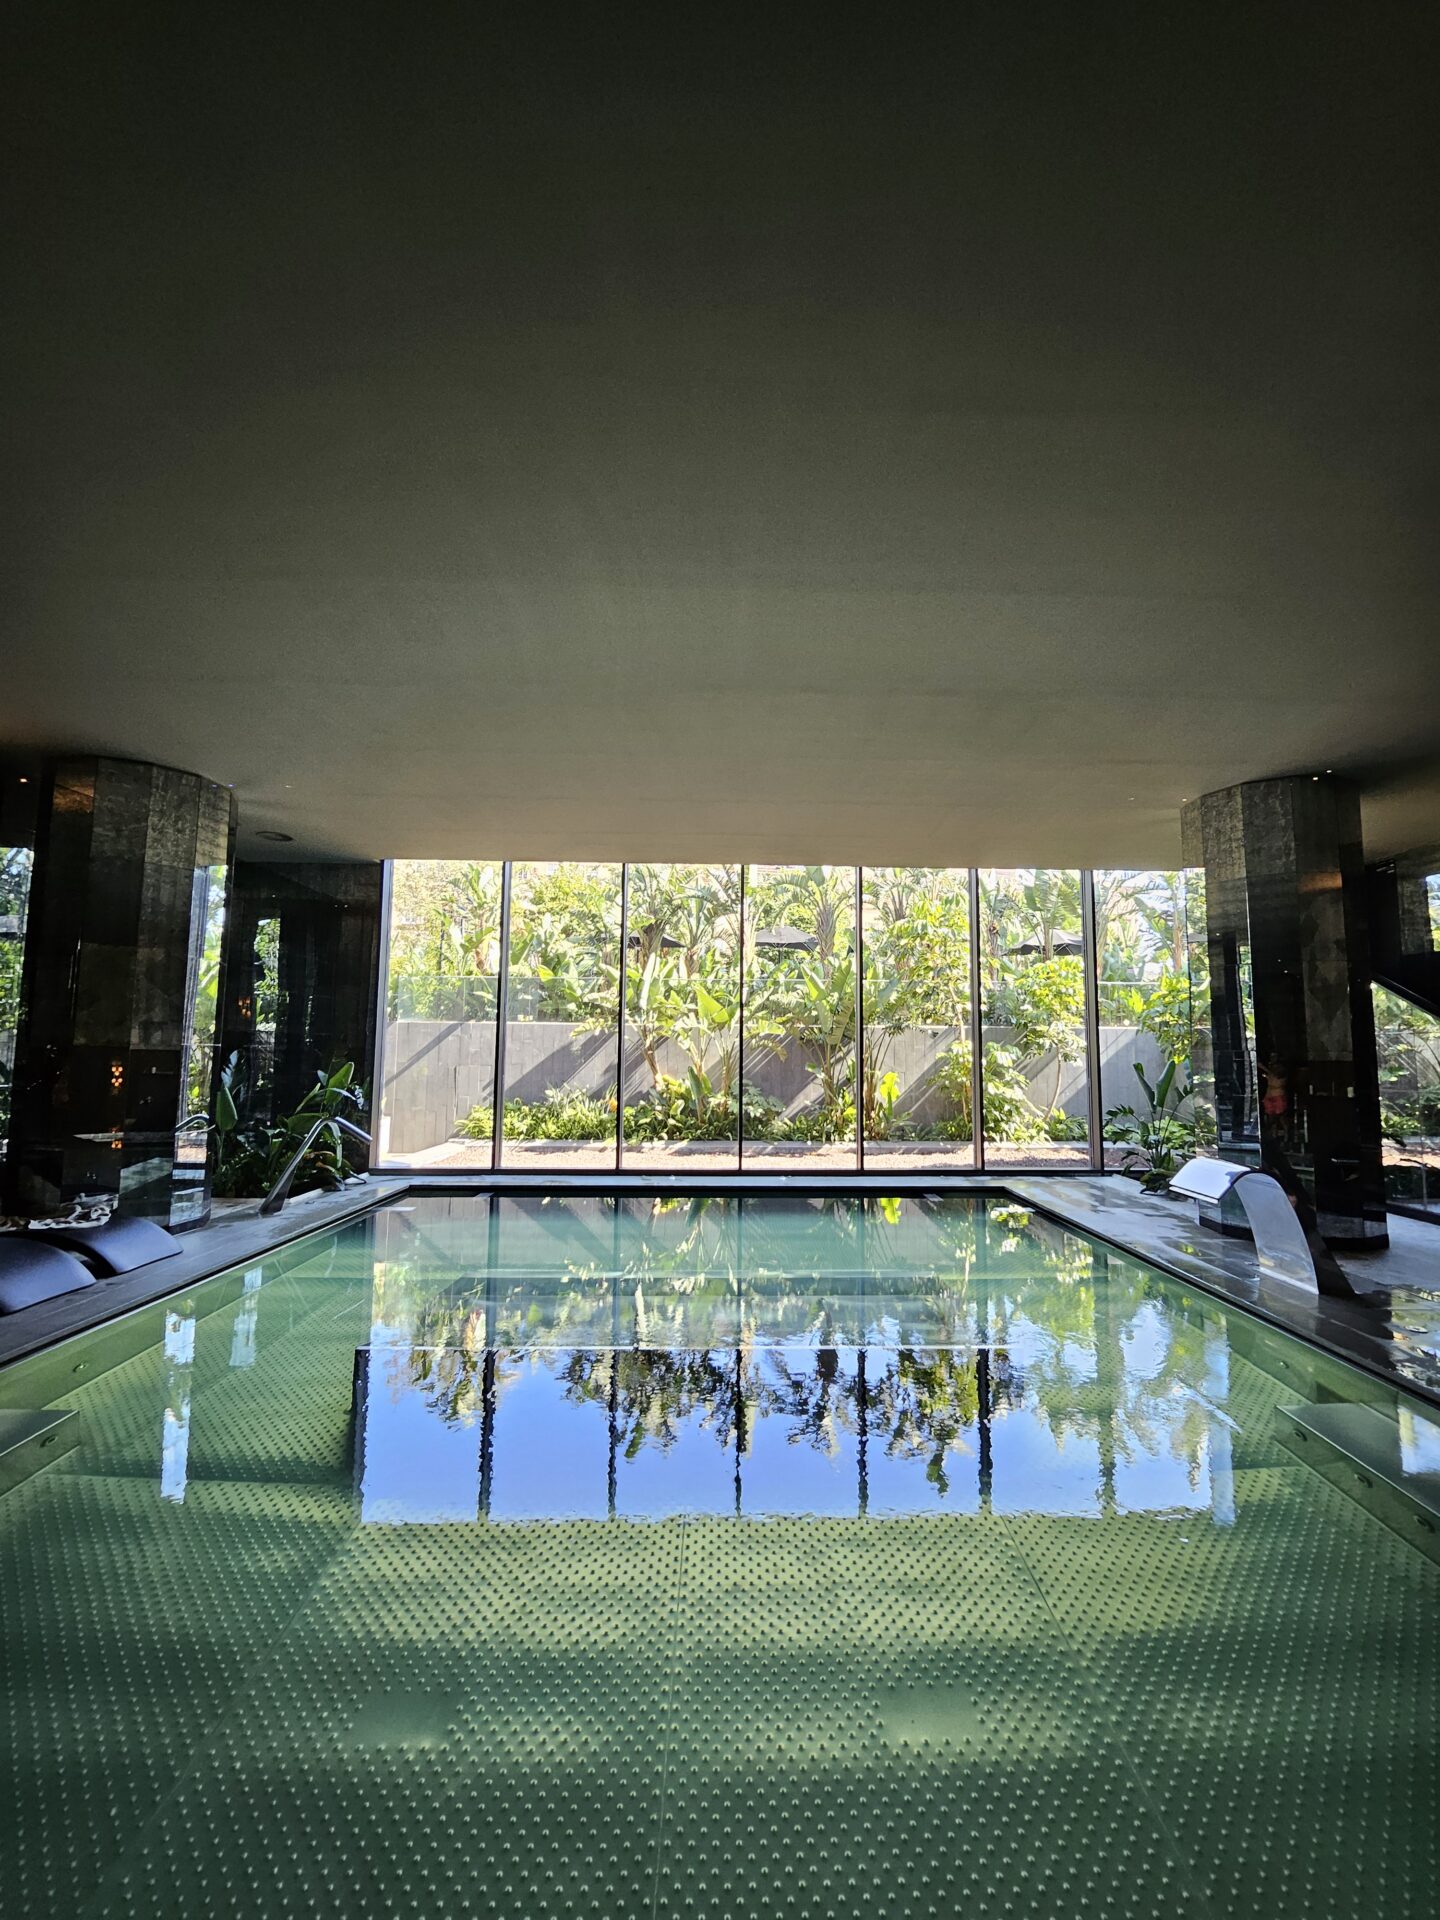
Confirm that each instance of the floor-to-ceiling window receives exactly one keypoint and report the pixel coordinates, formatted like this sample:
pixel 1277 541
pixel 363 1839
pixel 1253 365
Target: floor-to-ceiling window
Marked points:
pixel 1035 1072
pixel 1147 1020
pixel 1407 1041
pixel 15 867
pixel 442 998
pixel 917 1106
pixel 561 1011
pixel 800 1015
pixel 681 1081
pixel 715 1017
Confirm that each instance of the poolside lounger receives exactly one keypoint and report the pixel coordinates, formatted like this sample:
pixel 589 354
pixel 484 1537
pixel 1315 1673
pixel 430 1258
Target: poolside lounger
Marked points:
pixel 117 1245
pixel 31 1271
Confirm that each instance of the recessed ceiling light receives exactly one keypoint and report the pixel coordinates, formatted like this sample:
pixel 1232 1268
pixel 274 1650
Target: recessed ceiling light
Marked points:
pixel 269 833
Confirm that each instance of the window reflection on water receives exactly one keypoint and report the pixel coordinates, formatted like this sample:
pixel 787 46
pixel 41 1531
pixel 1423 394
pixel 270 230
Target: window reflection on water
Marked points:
pixel 691 1359
pixel 451 1434
pixel 179 1350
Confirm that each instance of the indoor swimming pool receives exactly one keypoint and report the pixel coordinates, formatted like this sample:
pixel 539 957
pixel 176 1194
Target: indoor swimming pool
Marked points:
pixel 714 1557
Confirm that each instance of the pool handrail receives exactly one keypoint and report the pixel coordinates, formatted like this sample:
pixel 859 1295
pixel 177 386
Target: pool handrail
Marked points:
pixel 275 1199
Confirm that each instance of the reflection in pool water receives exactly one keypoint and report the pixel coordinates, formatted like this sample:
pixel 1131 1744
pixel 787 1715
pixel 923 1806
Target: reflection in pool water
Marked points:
pixel 446 1434
pixel 721 1355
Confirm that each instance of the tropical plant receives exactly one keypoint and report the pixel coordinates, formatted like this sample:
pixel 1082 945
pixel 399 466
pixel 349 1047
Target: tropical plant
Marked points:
pixel 1045 1004
pixel 251 1154
pixel 204 987
pixel 444 939
pixel 670 1113
pixel 1009 1114
pixel 1157 1136
pixel 953 1078
pixel 692 1001
pixel 1408 1049
pixel 1165 1014
pixel 805 997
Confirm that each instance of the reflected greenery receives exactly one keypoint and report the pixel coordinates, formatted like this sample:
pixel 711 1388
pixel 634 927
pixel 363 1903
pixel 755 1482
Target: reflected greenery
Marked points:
pixel 908 1327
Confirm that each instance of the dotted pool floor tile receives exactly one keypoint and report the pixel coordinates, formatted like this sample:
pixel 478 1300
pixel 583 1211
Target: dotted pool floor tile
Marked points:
pixel 881 1717
pixel 1278 1687
pixel 459 1720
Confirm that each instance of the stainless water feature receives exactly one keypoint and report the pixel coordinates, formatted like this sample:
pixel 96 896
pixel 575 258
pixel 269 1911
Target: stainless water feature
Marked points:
pixel 1280 1242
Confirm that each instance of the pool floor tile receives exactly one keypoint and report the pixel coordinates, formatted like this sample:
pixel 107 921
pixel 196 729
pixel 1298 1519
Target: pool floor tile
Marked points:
pixel 882 1717
pixel 460 1720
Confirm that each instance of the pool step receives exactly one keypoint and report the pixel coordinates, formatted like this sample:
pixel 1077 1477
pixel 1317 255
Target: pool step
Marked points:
pixel 33 1438
pixel 1360 1450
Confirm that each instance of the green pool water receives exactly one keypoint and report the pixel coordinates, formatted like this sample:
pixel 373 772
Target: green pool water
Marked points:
pixel 711 1558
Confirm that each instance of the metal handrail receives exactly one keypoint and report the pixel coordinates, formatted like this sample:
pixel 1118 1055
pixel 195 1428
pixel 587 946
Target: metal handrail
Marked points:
pixel 275 1199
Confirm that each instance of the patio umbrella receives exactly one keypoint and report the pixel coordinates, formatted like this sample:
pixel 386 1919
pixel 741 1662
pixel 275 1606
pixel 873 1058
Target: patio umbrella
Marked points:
pixel 666 939
pixel 790 939
pixel 1064 943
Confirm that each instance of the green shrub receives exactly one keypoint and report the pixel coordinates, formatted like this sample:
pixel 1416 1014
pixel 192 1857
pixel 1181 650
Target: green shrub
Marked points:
pixel 1009 1114
pixel 670 1112
pixel 562 1115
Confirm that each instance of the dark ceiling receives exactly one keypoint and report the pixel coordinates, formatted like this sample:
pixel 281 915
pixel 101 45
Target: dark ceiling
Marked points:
pixel 471 437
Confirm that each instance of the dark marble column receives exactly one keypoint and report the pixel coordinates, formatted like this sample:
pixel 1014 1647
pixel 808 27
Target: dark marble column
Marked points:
pixel 302 977
pixel 1296 1083
pixel 123 955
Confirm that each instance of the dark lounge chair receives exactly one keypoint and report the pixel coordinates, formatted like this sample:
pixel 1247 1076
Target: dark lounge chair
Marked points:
pixel 117 1245
pixel 31 1270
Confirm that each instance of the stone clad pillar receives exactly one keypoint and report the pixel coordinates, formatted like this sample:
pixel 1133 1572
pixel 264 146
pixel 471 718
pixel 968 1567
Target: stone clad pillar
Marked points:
pixel 116 1046
pixel 1296 1080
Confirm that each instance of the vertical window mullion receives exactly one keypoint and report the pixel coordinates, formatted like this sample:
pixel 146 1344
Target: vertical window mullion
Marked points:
pixel 977 1031
pixel 1092 1017
pixel 859 1025
pixel 620 1016
pixel 502 1009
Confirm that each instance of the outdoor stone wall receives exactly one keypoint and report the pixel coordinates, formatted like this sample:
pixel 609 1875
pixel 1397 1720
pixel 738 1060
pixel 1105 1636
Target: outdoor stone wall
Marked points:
pixel 436 1071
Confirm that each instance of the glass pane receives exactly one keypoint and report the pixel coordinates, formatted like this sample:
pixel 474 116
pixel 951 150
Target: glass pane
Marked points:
pixel 1407 1041
pixel 438 1100
pixel 562 1013
pixel 1202 1046
pixel 15 866
pixel 1147 1022
pixel 799 1055
pixel 916 1094
pixel 682 1017
pixel 1032 983
pixel 207 936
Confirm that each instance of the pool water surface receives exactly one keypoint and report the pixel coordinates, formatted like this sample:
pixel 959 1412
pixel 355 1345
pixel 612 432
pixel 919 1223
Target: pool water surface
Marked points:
pixel 707 1558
